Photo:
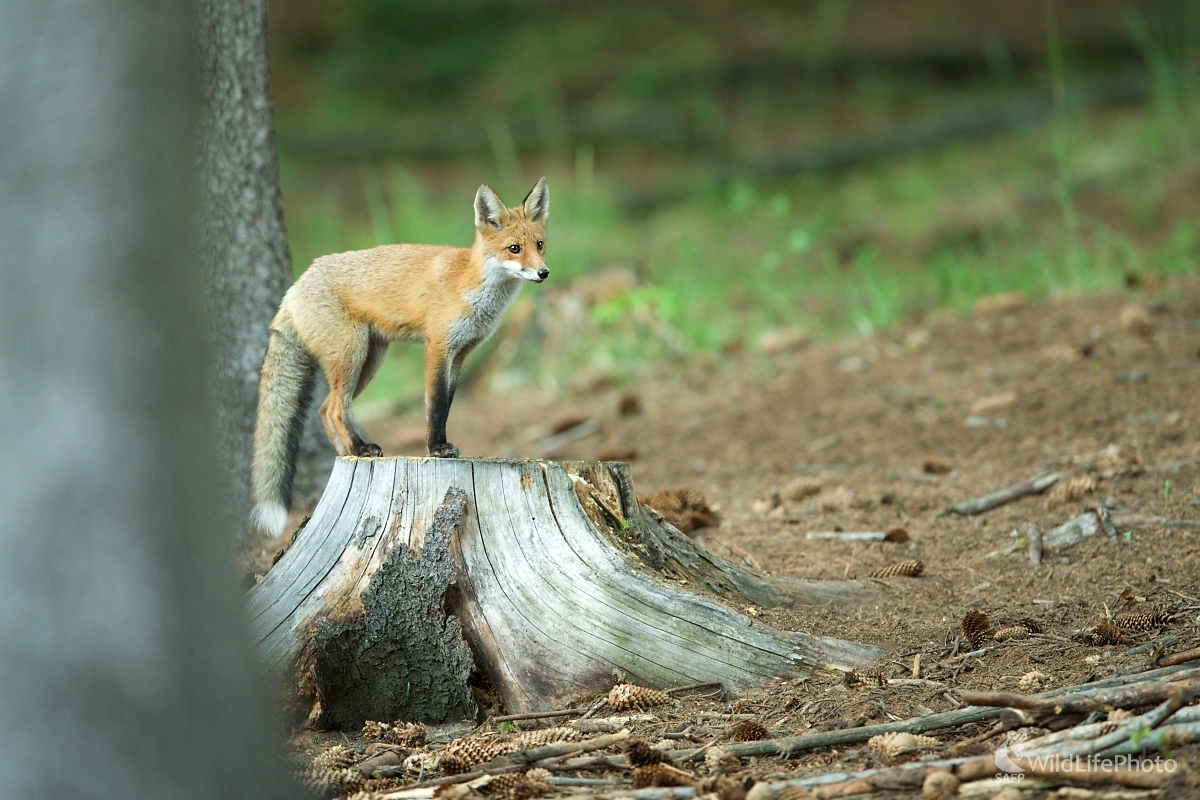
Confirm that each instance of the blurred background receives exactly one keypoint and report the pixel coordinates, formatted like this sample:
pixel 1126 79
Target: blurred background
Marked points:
pixel 730 177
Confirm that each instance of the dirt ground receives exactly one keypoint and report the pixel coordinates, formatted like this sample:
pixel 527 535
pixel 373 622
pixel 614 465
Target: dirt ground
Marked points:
pixel 871 434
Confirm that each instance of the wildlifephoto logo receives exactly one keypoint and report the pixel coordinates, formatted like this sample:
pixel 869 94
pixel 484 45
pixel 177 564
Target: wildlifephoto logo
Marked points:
pixel 1013 764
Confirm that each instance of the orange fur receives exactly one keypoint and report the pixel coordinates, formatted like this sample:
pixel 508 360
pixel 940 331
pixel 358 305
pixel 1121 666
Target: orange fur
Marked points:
pixel 347 307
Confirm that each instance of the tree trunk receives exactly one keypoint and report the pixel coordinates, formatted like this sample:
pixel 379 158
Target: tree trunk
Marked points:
pixel 123 658
pixel 557 577
pixel 244 241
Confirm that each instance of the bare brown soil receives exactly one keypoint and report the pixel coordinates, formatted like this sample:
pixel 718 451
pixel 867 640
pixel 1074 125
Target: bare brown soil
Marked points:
pixel 873 434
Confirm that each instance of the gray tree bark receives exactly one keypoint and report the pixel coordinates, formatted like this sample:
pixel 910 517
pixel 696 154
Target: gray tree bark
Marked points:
pixel 125 667
pixel 244 241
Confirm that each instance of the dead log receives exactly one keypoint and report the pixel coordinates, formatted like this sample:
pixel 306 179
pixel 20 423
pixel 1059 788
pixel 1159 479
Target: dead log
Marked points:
pixel 552 573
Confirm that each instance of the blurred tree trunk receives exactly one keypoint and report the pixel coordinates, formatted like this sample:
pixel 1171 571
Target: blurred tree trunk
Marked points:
pixel 124 661
pixel 244 241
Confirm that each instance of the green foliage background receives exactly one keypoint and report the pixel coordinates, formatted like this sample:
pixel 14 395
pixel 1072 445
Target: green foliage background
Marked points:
pixel 753 166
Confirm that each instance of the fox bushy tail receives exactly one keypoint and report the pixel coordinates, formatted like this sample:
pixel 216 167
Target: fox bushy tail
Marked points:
pixel 285 388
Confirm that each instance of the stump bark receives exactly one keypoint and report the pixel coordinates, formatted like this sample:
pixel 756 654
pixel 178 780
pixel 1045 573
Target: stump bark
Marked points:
pixel 551 574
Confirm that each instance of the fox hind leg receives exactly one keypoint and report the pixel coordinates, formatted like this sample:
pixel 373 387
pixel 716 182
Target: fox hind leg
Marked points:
pixel 344 373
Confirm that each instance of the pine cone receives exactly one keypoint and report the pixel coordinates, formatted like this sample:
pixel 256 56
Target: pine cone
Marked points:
pixel 722 787
pixel 1030 624
pixel 538 774
pixel 332 782
pixel 1010 633
pixel 909 569
pixel 660 775
pixel 625 696
pixel 639 753
pixel 531 739
pixel 526 789
pixel 975 627
pixel 720 760
pixel 420 763
pixel 794 793
pixel 893 745
pixel 750 731
pixel 686 509
pixel 1032 680
pixel 1143 621
pixel 532 784
pixel 335 758
pixel 381 784
pixel 1069 491
pixel 405 734
pixel 462 754
pixel 500 785
pixel 1103 634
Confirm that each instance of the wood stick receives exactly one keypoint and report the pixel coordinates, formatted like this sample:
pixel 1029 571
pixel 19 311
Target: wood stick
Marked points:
pixel 787 746
pixel 1127 697
pixel 690 686
pixel 1034 485
pixel 518 760
pixel 565 748
pixel 1150 721
pixel 1091 731
pixel 1130 520
pixel 556 781
pixel 566 712
pixel 1160 739
pixel 848 536
pixel 1165 641
pixel 586 762
pixel 1181 657
pixel 1118 777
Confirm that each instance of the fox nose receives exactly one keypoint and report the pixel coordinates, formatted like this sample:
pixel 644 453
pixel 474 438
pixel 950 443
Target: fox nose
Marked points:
pixel 543 273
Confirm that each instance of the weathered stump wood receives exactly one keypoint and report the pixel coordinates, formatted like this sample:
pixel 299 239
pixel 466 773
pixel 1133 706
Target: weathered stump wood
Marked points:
pixel 552 573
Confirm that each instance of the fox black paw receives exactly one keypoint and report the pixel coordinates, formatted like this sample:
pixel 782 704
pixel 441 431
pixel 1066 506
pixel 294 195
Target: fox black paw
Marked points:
pixel 443 450
pixel 368 450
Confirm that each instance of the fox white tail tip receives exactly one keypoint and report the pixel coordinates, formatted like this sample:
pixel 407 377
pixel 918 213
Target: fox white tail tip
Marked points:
pixel 270 518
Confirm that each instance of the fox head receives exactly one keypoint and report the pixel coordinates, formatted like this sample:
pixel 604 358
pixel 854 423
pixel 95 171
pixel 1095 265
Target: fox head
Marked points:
pixel 514 239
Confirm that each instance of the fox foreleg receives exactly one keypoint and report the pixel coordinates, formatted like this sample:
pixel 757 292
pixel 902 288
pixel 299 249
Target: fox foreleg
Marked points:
pixel 441 381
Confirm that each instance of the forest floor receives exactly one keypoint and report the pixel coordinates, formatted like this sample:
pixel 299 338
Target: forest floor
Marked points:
pixel 873 434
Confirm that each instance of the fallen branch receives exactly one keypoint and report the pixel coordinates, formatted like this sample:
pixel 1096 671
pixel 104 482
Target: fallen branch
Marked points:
pixel 1168 736
pixel 690 686
pixel 566 712
pixel 1073 532
pixel 1128 697
pixel 609 724
pixel 1035 485
pixel 790 745
pixel 1047 743
pixel 518 760
pixel 1130 520
pixel 1125 731
pixel 559 749
pixel 848 536
pixel 1067 770
pixel 1180 658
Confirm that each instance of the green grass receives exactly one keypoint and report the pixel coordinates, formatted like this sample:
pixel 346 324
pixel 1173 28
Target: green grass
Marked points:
pixel 1078 205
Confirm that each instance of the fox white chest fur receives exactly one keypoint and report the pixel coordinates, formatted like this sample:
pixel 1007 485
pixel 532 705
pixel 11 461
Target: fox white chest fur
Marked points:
pixel 488 304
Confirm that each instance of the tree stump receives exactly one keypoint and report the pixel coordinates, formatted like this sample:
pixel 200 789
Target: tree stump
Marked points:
pixel 552 574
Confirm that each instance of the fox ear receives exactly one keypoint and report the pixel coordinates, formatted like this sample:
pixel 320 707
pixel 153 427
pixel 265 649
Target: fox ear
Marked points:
pixel 489 211
pixel 537 202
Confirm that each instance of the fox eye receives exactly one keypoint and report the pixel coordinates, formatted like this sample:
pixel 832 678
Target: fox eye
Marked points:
pixel 514 248
pixel 541 246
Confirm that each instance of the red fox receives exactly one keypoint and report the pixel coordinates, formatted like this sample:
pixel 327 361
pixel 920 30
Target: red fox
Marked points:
pixel 347 307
